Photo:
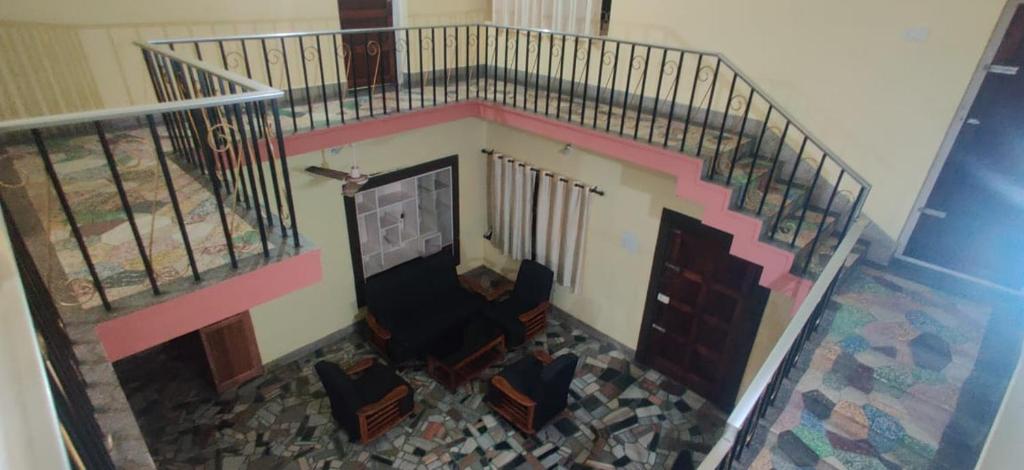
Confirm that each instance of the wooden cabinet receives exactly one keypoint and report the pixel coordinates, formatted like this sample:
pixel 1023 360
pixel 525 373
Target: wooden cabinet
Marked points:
pixel 231 351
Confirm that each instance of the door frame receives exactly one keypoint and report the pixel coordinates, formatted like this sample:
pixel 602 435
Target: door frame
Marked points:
pixel 964 108
pixel 757 306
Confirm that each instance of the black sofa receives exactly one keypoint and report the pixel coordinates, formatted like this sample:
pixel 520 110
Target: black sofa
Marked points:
pixel 413 305
pixel 523 314
pixel 532 390
pixel 367 398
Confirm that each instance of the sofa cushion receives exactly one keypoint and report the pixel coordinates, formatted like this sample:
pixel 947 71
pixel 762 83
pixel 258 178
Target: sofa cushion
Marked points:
pixel 376 381
pixel 523 375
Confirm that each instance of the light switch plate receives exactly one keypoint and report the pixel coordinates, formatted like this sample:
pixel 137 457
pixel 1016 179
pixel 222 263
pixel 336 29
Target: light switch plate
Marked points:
pixel 630 243
pixel 916 34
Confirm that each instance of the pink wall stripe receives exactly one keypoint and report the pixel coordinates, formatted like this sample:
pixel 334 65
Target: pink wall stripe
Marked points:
pixel 143 329
pixel 687 169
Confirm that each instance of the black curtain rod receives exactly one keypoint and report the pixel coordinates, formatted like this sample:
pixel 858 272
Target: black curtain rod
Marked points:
pixel 594 190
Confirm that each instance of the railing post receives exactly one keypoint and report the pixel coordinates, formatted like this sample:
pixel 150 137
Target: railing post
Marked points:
pixel 284 173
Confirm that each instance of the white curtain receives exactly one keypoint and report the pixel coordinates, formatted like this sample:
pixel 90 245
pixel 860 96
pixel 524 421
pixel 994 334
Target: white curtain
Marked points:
pixel 570 16
pixel 511 206
pixel 562 214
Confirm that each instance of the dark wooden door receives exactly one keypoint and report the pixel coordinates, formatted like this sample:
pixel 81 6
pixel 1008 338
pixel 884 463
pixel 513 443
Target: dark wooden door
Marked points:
pixel 369 57
pixel 704 306
pixel 973 221
pixel 231 351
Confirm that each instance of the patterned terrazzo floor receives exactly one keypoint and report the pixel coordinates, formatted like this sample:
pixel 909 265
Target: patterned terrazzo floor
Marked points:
pixel 82 169
pixel 620 415
pixel 885 385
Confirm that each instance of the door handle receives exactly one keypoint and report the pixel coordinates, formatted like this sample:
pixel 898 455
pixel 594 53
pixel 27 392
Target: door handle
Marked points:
pixel 658 328
pixel 934 213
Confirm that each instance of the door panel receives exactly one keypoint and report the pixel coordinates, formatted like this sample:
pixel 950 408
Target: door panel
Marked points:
pixel 703 309
pixel 974 217
pixel 231 351
pixel 369 58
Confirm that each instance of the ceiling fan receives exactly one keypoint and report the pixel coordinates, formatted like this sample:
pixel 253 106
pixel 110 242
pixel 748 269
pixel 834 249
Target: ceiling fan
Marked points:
pixel 353 180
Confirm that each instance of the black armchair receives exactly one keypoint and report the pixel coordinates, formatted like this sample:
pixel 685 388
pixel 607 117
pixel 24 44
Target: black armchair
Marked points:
pixel 367 398
pixel 524 313
pixel 533 390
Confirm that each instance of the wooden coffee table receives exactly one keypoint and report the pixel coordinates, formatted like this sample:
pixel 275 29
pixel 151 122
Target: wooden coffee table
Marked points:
pixel 464 356
pixel 487 282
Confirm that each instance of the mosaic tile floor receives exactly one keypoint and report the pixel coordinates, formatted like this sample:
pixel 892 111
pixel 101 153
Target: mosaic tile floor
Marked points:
pixel 87 182
pixel 883 385
pixel 619 416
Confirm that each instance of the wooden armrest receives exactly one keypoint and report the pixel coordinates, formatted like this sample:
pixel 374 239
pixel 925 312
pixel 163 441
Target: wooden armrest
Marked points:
pixel 359 366
pixel 506 388
pixel 392 396
pixel 539 309
pixel 543 356
pixel 377 329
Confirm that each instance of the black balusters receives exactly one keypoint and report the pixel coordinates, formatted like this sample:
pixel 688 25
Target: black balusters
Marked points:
pixel 288 84
pixel 789 186
pixel 807 200
pixel 572 82
pixel 70 216
pixel 337 77
pixel 675 95
pixel 707 112
pixel 643 89
pixel 305 83
pixel 586 81
pixel 284 173
pixel 126 206
pixel 689 104
pixel 771 172
pixel 169 183
pixel 597 88
pixel 721 130
pixel 757 155
pixel 657 96
pixel 536 74
pixel 625 90
pixel 323 82
pixel 739 137
pixel 611 89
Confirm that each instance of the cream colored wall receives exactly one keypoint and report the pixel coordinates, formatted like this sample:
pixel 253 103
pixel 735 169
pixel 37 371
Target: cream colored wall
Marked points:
pixel 66 56
pixel 845 69
pixel 73 56
pixel 302 317
pixel 615 278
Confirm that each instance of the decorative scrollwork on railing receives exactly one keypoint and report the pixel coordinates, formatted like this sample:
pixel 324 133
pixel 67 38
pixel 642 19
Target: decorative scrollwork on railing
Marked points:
pixel 235 60
pixel 426 44
pixel 738 102
pixel 310 54
pixel 638 62
pixel 450 40
pixel 705 73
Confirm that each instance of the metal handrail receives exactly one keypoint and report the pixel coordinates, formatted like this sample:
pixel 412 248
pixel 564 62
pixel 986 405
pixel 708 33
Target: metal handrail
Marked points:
pixel 755 390
pixel 745 77
pixel 256 91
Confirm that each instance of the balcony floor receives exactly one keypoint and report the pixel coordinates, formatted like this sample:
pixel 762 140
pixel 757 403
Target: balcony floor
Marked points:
pixel 618 414
pixel 80 163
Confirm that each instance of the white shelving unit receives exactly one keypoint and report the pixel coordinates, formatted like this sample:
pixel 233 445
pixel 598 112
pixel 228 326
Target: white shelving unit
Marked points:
pixel 404 220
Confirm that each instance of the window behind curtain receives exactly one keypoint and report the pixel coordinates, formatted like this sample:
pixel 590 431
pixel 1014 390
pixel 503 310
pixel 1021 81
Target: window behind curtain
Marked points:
pixel 570 16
